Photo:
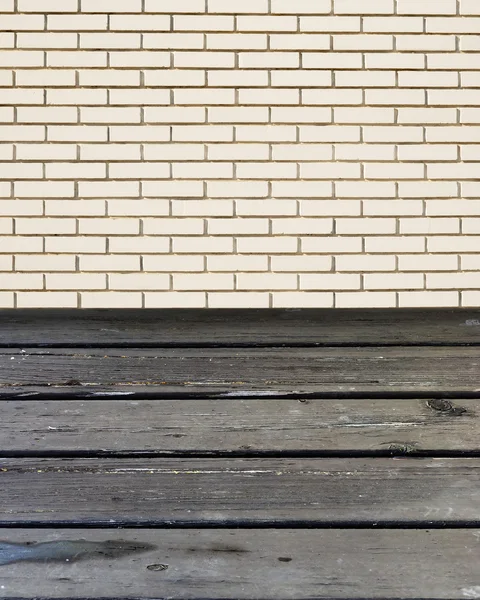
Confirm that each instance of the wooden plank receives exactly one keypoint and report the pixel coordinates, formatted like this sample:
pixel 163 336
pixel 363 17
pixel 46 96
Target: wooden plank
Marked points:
pixel 175 426
pixel 229 326
pixel 243 564
pixel 267 491
pixel 229 371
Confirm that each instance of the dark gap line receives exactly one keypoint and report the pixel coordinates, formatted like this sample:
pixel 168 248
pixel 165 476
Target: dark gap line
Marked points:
pixel 239 524
pixel 206 345
pixel 206 598
pixel 403 451
pixel 87 392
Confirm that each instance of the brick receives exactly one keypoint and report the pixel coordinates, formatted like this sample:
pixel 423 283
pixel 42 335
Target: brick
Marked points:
pixel 365 189
pixel 203 245
pixel 299 41
pixel 452 61
pixel 109 263
pixel 19 22
pixel 330 24
pixel 365 300
pixel 330 281
pixel 76 171
pixel 332 97
pixel 428 262
pixel 75 281
pixel 140 133
pixel 331 60
pixel 173 151
pixel 45 262
pixel 361 152
pixel 470 299
pixel 363 115
pixel 46 300
pixel 302 152
pixel 76 96
pixel 425 79
pixel 365 226
pixel 422 43
pixel 111 299
pixel 399 244
pixel 301 226
pixel 452 25
pixel 18 96
pixel 82 59
pixel 427 189
pixel 238 114
pixel 177 299
pixel 238 299
pixel 469 7
pixel 203 281
pixel 393 24
pixel 392 134
pixel 237 262
pixel 267 208
pixel 206 60
pixel 237 78
pixel 173 226
pixel 452 134
pixel 21 244
pixel 428 225
pixel 20 171
pixel 237 41
pixel 172 189
pixel 77 208
pixel 140 22
pixel 110 152
pixel 427 299
pixel 245 6
pixel 77 133
pixel 363 42
pixel 335 170
pixel 364 79
pixel 333 208
pixel 139 281
pixel 393 281
pixel 138 245
pixel 205 96
pixel 394 171
pixel 266 281
pixel 108 189
pixel 267 23
pixel 144 170
pixel 45 226
pixel 74 245
pixel 101 41
pixel 269 60
pixel 47 114
pixel 111 6
pixel 469 262
pixel 202 208
pixel 302 300
pixel 203 23
pixel 108 226
pixel 328 133
pixel 137 208
pixel 452 171
pixel 15 208
pixel 302 189
pixel 266 171
pixel 456 208
pixel 140 59
pixel 173 263
pixel 303 263
pixel 301 78
pixel 47 40
pixel 238 226
pixel 395 97
pixel 365 263
pixel 449 281
pixel 428 7
pixel 267 245
pixel 78 22
pixel 426 115
pixel 175 6
pixel 208 133
pixel 385 7
pixel 331 245
pixel 170 41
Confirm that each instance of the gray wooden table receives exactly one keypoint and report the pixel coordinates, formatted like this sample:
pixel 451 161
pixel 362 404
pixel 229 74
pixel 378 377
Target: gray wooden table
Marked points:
pixel 228 454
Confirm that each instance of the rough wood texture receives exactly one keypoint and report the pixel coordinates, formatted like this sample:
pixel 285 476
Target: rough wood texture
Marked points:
pixel 224 370
pixel 236 327
pixel 165 491
pixel 245 564
pixel 267 425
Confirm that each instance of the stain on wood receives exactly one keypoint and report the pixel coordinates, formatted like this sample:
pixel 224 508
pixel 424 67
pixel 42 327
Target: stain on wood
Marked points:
pixel 325 564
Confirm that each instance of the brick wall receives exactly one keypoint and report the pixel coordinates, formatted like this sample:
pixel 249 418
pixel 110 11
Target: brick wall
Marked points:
pixel 250 153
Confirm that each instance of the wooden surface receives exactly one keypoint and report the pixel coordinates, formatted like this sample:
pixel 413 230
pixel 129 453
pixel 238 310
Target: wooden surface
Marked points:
pixel 193 327
pixel 225 370
pixel 282 564
pixel 250 426
pixel 248 455
pixel 164 491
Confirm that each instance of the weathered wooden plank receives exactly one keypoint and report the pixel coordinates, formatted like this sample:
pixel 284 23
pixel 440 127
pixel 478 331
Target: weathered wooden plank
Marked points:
pixel 236 370
pixel 165 491
pixel 266 425
pixel 243 564
pixel 229 326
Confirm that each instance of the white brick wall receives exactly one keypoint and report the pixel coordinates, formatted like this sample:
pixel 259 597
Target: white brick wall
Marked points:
pixel 239 153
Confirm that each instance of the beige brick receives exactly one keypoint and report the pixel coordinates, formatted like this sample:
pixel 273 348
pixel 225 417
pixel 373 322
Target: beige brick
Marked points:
pixel 364 79
pixel 428 7
pixel 76 133
pixel 202 208
pixel 203 281
pixel 302 189
pixel 76 208
pixel 365 226
pixel 302 300
pixel 206 133
pixel 299 41
pixel 46 300
pixel 302 78
pixel 422 43
pixel 173 226
pixel 6 263
pixel 238 7
pixel 137 208
pixel 266 171
pixel 449 281
pixel 202 170
pixel 394 171
pixel 452 171
pixel 170 41
pixel 238 226
pixel 140 133
pixel 109 263
pixel 333 208
pixel 141 59
pixel 5 189
pixel 330 24
pixel 470 115
pixel 19 22
pixel 21 58
pixel 238 78
pixel 452 134
pixel 111 6
pixel 45 226
pixel 302 263
pixel 365 189
pixel 140 23
pixel 17 207
pixel 266 281
pixel 303 114
pixel 109 226
pixel 265 133
pixel 302 152
pixel 238 299
pixel 237 41
pixel 363 42
pixel 22 281
pixel 175 6
pixel 426 79
pixel 450 244
pixel 237 189
pixel 206 60
pixel 174 151
pixel 203 245
pixel 45 262
pixel 267 208
pixel 393 24
pixel 47 40
pixel 108 189
pixel 76 281
pixel 111 299
pixel 238 114
pixel 44 189
pixel 393 281
pixel 427 299
pixel 364 152
pixel 469 7
pixel 333 170
pixel 329 133
pixel 138 245
pixel 392 134
pixel 469 262
pixel 330 281
pixel 392 244
pixel 301 226
pixel 469 225
pixel 6 226
pixel 75 244
pixel 203 23
pixel 471 189
pixel 331 245
pixel 139 281
pixel 237 262
pixel 267 245
pixel 452 25
pixel 172 189
pixel 428 226
pixel 76 59
pixel 175 299
pixel 7 6
pixel 206 96
pixel 424 152
pixel 377 7
pixel 110 152
pixel 267 23
pixel 101 41
pixel 428 262
pixel 457 207
pixel 331 60
pixel 364 115
pixel 332 97
pixel 365 300
pixel 173 263
pixel 365 263
pixel 75 171
pixel 135 170
pixel 20 244
pixel 269 60
pixel 6 116
pixel 19 96
pixel 470 299
pixel 78 22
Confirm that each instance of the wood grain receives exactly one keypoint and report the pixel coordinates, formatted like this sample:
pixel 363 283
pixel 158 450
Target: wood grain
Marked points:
pixel 238 327
pixel 229 371
pixel 269 491
pixel 264 564
pixel 265 425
